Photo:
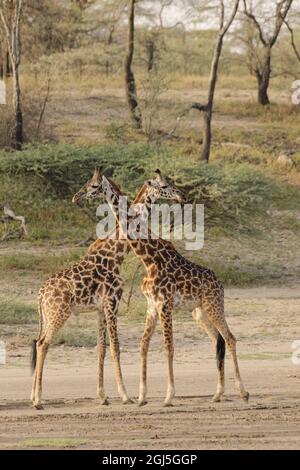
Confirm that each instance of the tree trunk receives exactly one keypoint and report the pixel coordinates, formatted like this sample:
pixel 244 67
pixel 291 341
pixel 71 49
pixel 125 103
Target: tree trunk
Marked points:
pixel 207 114
pixel 109 43
pixel 150 53
pixel 18 129
pixel 206 142
pixel 263 79
pixel 129 76
pixel 5 67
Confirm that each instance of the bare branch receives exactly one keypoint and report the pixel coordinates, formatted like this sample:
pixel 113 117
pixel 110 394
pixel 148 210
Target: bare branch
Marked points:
pixel 18 12
pixel 222 16
pixel 199 106
pixel 10 216
pixel 293 40
pixel 6 30
pixel 282 9
pixel 227 25
pixel 165 3
pixel 281 14
pixel 43 108
pixel 252 17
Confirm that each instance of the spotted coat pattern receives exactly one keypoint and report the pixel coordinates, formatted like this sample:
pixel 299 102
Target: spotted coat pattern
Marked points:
pixel 173 281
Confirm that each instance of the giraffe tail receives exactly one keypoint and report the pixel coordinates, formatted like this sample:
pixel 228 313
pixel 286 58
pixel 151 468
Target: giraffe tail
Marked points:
pixel 220 351
pixel 33 355
pixel 33 344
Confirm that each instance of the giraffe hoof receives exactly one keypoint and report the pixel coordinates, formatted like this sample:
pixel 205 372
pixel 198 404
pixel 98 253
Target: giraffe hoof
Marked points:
pixel 104 402
pixel 142 402
pixel 246 397
pixel 128 401
pixel 38 406
pixel 168 404
pixel 216 399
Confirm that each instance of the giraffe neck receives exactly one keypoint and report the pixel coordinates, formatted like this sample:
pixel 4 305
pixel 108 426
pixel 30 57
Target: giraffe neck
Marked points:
pixel 113 194
pixel 119 249
pixel 146 249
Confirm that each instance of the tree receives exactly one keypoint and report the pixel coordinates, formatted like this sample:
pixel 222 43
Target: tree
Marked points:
pixel 207 108
pixel 10 17
pixel 130 84
pixel 111 14
pixel 262 67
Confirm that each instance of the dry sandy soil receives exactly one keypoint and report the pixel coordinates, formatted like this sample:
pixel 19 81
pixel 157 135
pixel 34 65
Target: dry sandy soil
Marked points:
pixel 266 322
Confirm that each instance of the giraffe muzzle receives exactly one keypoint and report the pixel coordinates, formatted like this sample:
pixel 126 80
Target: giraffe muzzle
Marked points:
pixel 78 197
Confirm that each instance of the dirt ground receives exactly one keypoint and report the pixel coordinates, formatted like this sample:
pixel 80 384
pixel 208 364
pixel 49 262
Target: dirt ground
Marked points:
pixel 266 323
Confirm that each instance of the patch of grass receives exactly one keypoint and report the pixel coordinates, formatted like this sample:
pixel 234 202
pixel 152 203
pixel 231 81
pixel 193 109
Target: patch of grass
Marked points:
pixel 264 356
pixel 14 312
pixel 232 276
pixel 59 443
pixel 39 263
pixel 76 337
pixel 249 109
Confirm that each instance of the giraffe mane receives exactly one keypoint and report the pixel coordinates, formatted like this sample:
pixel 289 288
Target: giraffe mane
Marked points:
pixel 115 186
pixel 140 195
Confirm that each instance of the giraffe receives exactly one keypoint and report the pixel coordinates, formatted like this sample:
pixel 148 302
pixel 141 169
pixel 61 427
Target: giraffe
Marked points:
pixel 95 280
pixel 172 281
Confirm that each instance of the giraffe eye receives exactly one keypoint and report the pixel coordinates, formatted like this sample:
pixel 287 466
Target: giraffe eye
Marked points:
pixel 95 186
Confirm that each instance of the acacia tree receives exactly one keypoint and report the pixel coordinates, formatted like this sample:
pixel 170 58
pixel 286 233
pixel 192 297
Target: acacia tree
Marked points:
pixel 207 108
pixel 262 66
pixel 112 12
pixel 10 16
pixel 156 35
pixel 130 84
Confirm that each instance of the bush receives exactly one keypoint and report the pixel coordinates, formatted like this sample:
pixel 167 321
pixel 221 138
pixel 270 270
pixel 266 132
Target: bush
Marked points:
pixel 230 193
pixel 41 180
pixel 64 168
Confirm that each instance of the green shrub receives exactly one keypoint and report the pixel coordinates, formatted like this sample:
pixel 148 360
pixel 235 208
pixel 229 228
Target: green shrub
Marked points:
pixel 60 169
pixel 39 183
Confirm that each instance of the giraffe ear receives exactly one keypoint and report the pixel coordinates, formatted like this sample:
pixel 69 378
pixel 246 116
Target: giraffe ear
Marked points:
pixel 97 173
pixel 158 174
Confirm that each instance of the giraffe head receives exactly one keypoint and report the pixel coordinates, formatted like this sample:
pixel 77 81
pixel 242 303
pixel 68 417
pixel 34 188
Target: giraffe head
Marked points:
pixel 91 189
pixel 163 187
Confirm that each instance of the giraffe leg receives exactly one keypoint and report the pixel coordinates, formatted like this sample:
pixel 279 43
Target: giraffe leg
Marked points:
pixel 32 396
pixel 110 307
pixel 204 323
pixel 101 356
pixel 215 312
pixel 149 329
pixel 42 346
pixel 165 315
pixel 59 317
